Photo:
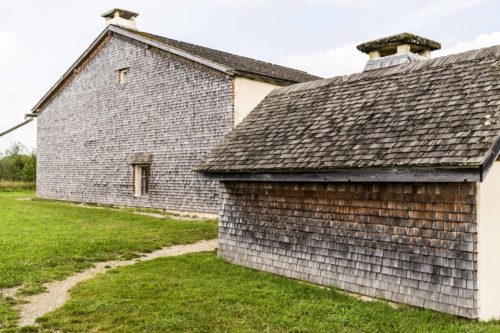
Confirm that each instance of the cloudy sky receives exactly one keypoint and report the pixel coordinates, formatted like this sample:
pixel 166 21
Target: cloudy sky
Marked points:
pixel 39 40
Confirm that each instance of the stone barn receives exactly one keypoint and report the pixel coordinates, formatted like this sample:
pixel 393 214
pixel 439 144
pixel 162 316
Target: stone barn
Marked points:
pixel 383 183
pixel 128 121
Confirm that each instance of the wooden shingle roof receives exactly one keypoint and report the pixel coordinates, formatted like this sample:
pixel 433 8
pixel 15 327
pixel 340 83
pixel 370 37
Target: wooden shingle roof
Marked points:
pixel 440 113
pixel 239 64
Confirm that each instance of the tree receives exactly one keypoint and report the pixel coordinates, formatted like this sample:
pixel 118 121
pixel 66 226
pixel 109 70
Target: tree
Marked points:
pixel 28 172
pixel 17 164
pixel 16 149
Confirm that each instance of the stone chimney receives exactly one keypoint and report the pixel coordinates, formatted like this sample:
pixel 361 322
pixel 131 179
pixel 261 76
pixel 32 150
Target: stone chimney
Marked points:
pixel 396 50
pixel 120 17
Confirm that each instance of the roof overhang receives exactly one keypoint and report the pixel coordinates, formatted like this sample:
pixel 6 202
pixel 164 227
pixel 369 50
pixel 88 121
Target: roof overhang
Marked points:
pixel 173 50
pixel 404 174
pixel 491 157
pixel 427 175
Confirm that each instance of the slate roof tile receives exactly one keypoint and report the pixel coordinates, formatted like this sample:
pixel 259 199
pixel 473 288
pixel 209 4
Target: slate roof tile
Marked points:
pixel 442 112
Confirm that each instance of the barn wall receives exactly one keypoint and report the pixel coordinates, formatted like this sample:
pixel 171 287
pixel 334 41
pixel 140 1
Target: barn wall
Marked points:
pixel 409 243
pixel 489 245
pixel 170 107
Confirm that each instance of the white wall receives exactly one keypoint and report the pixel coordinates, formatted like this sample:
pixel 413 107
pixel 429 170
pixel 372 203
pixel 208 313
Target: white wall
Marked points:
pixel 489 245
pixel 247 95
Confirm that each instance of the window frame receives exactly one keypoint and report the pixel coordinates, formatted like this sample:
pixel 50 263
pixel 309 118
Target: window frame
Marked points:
pixel 144 180
pixel 122 74
pixel 141 181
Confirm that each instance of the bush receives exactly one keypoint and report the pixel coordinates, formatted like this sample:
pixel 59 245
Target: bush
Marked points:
pixel 17 164
pixel 28 172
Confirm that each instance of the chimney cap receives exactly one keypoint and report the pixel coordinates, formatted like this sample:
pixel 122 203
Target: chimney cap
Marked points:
pixel 417 43
pixel 123 13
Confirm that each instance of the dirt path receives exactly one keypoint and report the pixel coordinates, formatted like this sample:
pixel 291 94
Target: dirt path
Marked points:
pixel 58 292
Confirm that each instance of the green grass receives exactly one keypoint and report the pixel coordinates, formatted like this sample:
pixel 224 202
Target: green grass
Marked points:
pixel 200 293
pixel 43 241
pixel 6 185
pixel 8 315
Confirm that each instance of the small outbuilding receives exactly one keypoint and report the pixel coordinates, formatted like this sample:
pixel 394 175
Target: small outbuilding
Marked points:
pixel 383 183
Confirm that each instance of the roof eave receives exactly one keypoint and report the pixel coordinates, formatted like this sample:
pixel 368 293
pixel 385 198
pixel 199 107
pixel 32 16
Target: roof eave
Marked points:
pixel 264 78
pixel 491 157
pixel 214 65
pixel 173 50
pixel 439 175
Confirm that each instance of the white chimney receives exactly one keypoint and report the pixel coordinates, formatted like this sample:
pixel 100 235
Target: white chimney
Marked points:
pixel 122 18
pixel 397 49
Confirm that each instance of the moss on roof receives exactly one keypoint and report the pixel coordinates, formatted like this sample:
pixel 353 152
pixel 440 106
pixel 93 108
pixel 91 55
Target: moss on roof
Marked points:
pixel 399 39
pixel 439 113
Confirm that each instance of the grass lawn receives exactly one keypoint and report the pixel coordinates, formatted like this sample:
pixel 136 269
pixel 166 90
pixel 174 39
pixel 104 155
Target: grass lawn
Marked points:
pixel 200 293
pixel 42 240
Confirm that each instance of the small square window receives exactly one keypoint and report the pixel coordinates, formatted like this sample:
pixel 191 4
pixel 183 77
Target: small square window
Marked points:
pixel 141 180
pixel 122 75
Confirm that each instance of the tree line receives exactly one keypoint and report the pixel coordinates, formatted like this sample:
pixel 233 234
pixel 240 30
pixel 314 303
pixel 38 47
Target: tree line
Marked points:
pixel 17 163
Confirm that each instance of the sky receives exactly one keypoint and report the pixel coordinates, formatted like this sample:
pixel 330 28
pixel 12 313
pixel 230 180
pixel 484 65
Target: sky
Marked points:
pixel 40 40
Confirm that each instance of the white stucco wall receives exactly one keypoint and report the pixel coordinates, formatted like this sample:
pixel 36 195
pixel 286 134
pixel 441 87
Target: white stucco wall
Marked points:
pixel 247 95
pixel 489 245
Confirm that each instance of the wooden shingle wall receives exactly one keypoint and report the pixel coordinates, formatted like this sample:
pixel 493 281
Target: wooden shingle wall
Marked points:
pixel 171 109
pixel 408 243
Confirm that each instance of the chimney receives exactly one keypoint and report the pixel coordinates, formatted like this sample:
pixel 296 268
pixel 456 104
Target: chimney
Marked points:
pixel 396 50
pixel 122 18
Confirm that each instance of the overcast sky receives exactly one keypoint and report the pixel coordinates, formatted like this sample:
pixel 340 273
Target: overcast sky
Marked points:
pixel 39 40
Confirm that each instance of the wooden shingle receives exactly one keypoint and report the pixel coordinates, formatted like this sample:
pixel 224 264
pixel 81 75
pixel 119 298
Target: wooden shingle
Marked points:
pixel 440 113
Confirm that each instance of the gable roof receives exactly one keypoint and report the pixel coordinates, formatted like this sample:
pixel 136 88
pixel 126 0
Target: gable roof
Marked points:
pixel 238 64
pixel 440 113
pixel 218 60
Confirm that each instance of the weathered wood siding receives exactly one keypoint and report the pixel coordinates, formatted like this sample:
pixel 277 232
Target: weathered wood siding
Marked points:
pixel 409 243
pixel 170 107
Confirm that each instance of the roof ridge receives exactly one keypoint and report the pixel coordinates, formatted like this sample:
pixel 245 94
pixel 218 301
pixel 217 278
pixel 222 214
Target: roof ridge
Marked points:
pixel 470 55
pixel 442 117
pixel 226 52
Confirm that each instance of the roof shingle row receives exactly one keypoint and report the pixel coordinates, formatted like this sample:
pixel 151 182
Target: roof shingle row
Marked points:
pixel 437 113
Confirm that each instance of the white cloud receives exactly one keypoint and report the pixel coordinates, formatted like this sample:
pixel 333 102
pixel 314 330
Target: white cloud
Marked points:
pixel 333 3
pixel 7 42
pixel 342 3
pixel 480 41
pixel 238 3
pixel 347 59
pixel 342 60
pixel 16 84
pixel 431 11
